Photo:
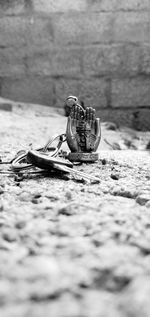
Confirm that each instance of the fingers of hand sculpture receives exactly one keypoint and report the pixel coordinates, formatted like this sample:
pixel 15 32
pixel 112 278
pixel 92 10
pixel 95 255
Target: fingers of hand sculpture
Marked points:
pixel 90 118
pixel 93 118
pixel 93 115
pixel 72 112
pixel 73 115
pixel 97 132
pixel 73 122
pixel 87 114
pixel 71 135
pixel 69 127
pixel 78 113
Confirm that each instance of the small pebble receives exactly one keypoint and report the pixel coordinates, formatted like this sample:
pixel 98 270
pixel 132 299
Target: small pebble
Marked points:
pixel 25 196
pixel 114 176
pixel 9 235
pixel 1 190
pixel 66 210
pixel 143 199
pixel 20 224
pixel 104 161
pixel 148 204
pixel 68 195
pixel 35 201
pixel 1 207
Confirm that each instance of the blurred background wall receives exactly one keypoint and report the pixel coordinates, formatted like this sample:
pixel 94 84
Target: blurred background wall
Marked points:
pixel 98 50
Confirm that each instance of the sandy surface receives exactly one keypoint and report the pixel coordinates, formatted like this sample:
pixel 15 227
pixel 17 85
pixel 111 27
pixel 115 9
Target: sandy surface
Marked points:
pixel 68 247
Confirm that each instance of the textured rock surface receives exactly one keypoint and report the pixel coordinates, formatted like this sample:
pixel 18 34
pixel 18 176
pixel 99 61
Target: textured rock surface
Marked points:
pixel 68 247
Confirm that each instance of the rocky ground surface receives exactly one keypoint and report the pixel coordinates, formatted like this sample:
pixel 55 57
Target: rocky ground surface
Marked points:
pixel 70 247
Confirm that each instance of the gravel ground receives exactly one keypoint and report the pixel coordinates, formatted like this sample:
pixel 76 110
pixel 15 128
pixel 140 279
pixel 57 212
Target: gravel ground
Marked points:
pixel 70 247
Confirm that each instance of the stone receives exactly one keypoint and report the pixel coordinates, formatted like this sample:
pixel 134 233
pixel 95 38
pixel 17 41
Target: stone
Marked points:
pixel 148 204
pixel 145 59
pixel 66 210
pixel 36 89
pixel 1 207
pixel 39 33
pixel 25 196
pixel 52 6
pixel 131 92
pixel 143 199
pixel 68 195
pixel 76 29
pixel 13 7
pixel 94 92
pixel 114 5
pixel 12 61
pixel 2 190
pixel 55 62
pixel 112 59
pixel 110 126
pixel 20 224
pixel 9 235
pixel 136 302
pixel 132 27
pixel 6 106
pixel 115 176
pixel 12 31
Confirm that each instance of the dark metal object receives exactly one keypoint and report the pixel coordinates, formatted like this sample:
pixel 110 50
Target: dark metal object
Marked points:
pixel 21 163
pixel 81 174
pixel 45 161
pixel 83 134
pixel 83 157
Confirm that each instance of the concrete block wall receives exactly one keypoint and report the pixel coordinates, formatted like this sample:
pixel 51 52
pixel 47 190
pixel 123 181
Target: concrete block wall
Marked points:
pixel 98 50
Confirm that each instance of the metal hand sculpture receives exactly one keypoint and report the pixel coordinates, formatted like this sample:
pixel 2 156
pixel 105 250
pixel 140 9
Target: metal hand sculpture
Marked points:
pixel 83 133
pixel 92 130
